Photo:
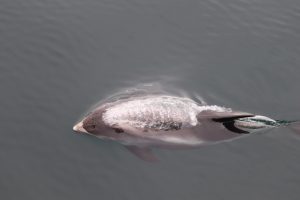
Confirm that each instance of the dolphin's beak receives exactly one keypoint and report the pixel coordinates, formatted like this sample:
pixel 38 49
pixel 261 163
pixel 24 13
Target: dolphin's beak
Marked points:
pixel 79 128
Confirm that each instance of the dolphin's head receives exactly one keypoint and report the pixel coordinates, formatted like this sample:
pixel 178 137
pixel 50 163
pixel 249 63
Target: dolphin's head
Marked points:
pixel 92 123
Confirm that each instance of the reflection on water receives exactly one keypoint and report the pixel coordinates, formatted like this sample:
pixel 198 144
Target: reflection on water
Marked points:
pixel 60 57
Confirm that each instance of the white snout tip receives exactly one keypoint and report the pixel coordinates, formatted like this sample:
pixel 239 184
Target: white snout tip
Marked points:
pixel 79 128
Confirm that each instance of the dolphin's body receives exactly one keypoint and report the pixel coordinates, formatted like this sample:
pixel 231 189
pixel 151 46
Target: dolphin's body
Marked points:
pixel 143 122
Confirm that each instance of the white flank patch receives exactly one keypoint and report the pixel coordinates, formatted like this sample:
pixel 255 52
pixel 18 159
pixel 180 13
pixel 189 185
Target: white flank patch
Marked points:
pixel 262 118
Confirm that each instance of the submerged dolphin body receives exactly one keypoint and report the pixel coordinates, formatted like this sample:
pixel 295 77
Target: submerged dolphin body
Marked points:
pixel 159 120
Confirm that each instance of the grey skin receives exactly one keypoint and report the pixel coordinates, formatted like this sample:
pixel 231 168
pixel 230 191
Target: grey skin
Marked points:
pixel 141 123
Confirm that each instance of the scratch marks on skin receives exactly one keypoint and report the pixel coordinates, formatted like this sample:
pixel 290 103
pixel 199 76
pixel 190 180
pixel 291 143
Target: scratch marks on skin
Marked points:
pixel 165 126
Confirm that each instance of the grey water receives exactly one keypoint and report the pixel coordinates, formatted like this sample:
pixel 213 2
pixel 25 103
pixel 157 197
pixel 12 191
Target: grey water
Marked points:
pixel 59 57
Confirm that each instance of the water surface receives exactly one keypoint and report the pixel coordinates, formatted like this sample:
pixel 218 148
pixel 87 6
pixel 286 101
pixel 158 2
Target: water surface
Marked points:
pixel 60 57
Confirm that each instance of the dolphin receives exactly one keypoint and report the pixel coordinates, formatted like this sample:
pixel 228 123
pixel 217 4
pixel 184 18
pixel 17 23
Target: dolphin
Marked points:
pixel 166 121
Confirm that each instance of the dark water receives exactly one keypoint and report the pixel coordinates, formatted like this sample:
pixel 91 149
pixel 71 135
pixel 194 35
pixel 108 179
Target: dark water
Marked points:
pixel 58 57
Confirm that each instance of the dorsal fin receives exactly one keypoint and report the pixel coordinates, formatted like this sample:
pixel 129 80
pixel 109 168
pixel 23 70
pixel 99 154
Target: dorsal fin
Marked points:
pixel 227 118
pixel 222 116
pixel 231 118
pixel 229 125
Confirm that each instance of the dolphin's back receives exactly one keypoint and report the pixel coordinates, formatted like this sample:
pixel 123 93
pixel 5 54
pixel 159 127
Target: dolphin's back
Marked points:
pixel 158 112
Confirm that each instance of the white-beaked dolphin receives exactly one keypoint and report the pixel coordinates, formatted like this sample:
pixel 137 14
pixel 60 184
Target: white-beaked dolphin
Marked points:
pixel 141 122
